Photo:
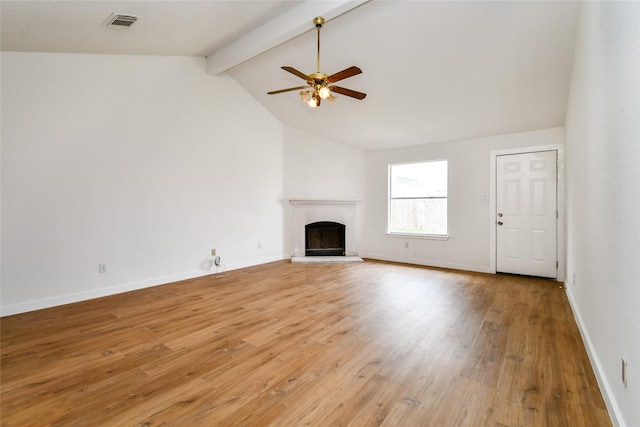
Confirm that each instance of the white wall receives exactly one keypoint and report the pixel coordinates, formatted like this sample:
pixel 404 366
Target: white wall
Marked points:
pixel 468 218
pixel 603 197
pixel 318 168
pixel 143 163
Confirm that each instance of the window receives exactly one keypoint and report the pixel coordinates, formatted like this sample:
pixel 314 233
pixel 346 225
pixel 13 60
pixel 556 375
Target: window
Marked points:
pixel 418 198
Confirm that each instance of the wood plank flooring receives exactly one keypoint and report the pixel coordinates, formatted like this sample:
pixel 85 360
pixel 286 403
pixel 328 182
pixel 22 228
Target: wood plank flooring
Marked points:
pixel 282 344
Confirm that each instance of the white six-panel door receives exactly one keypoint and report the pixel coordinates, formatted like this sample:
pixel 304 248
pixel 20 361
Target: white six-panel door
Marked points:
pixel 526 216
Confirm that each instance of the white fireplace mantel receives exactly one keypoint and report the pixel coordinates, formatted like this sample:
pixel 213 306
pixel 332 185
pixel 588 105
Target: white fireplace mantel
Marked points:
pixel 302 202
pixel 307 211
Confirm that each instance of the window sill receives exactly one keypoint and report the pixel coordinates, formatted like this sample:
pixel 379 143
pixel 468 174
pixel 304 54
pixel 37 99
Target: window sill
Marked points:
pixel 420 236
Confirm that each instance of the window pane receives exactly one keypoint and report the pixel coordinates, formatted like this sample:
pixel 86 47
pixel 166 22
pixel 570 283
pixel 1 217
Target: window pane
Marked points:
pixel 428 179
pixel 418 216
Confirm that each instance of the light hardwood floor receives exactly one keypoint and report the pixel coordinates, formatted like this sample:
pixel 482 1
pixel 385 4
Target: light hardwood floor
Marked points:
pixel 287 344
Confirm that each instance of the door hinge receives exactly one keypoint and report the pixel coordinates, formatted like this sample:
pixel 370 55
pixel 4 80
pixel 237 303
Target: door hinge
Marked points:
pixel 557 265
pixel 557 215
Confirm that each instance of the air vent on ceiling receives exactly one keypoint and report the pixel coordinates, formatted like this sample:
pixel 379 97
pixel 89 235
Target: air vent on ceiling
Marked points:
pixel 121 20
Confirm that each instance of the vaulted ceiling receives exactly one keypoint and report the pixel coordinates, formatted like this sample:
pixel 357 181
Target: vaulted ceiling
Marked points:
pixel 433 71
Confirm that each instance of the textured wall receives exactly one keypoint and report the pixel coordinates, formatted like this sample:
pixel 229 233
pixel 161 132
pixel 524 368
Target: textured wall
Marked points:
pixel 603 197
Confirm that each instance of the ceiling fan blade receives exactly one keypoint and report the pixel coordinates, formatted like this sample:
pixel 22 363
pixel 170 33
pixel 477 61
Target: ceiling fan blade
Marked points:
pixel 273 92
pixel 292 70
pixel 346 73
pixel 348 92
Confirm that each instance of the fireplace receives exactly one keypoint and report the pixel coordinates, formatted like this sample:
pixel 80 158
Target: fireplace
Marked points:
pixel 324 238
pixel 309 211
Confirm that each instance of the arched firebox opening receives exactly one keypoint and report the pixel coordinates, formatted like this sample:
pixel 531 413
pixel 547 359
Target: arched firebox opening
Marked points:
pixel 324 238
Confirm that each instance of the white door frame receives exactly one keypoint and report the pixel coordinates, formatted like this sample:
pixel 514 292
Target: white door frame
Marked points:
pixel 560 247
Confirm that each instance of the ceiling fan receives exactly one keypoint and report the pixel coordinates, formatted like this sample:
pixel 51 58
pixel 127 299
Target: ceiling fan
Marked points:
pixel 320 85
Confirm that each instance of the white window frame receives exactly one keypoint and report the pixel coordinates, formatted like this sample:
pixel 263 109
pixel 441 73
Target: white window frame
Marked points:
pixel 389 199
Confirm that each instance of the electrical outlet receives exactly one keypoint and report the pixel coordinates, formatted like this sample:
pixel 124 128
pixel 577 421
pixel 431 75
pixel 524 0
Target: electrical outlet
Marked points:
pixel 624 372
pixel 102 267
pixel 213 252
pixel 406 245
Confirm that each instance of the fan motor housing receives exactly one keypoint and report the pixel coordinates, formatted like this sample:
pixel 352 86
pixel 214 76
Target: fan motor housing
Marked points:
pixel 317 79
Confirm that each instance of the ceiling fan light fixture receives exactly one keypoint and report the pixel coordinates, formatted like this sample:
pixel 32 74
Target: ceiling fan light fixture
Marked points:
pixel 319 85
pixel 324 92
pixel 314 100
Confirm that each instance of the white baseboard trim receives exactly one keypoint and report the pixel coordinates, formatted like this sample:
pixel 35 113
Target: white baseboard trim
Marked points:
pixel 430 263
pixel 38 304
pixel 609 398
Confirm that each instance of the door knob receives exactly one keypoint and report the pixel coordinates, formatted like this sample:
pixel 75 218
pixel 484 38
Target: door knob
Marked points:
pixel 499 222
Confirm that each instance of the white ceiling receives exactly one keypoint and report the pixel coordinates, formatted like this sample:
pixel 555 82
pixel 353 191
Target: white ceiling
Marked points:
pixel 432 70
pixel 180 28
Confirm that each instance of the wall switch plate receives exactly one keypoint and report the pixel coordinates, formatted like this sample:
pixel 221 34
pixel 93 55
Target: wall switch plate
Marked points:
pixel 624 372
